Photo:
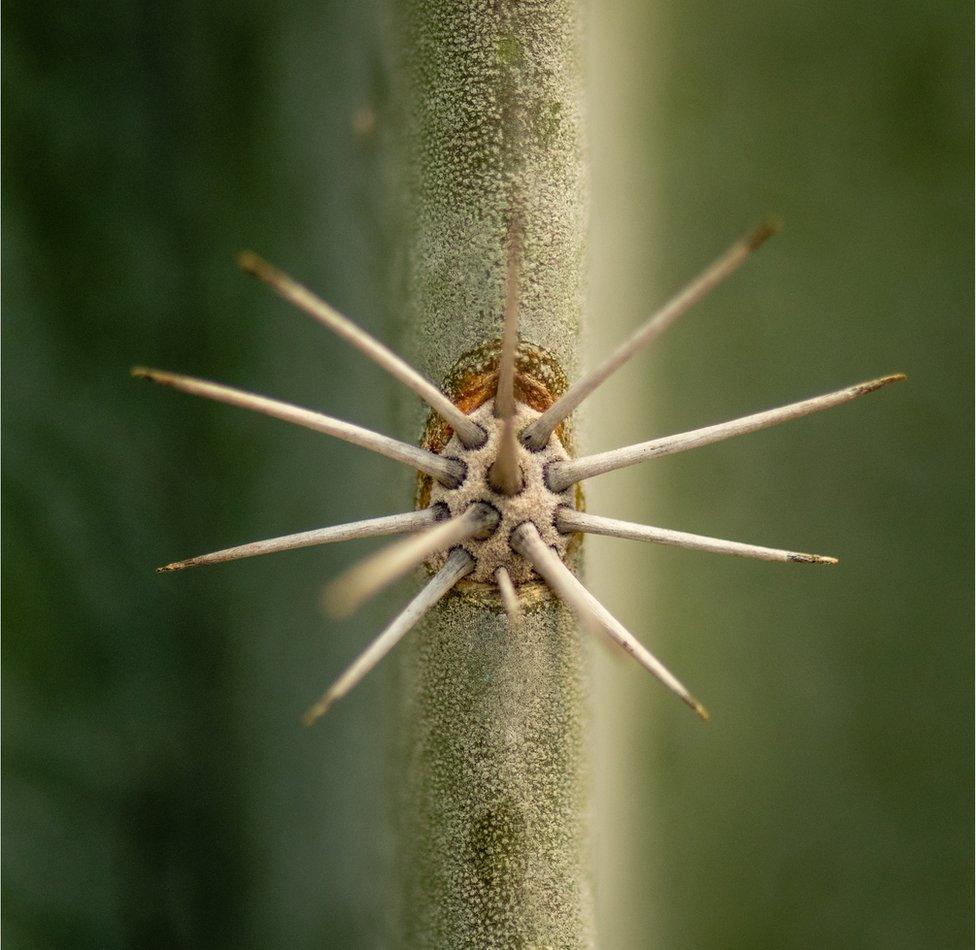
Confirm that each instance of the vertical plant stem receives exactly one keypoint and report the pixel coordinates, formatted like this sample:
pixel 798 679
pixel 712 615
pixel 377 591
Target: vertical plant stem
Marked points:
pixel 493 842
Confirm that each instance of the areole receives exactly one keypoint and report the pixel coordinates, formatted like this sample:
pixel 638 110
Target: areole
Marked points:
pixel 498 498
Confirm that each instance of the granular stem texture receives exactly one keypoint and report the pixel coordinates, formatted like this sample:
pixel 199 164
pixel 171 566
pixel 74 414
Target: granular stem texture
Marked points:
pixel 496 789
pixel 493 850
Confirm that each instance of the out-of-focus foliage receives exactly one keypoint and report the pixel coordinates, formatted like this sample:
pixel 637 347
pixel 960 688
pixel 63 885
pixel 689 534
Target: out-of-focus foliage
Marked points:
pixel 829 801
pixel 157 786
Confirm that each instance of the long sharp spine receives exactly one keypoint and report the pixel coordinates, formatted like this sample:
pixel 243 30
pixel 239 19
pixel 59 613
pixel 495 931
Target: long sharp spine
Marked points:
pixel 509 597
pixel 569 520
pixel 301 297
pixel 527 541
pixel 447 471
pixel 458 564
pixel 370 528
pixel 537 433
pixel 504 474
pixel 362 581
pixel 563 474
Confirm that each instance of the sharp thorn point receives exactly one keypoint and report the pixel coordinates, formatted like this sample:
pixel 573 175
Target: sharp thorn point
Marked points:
pixel 538 431
pixel 344 594
pixel 310 303
pixel 317 711
pixel 799 558
pixel 872 385
pixel 509 596
pixel 249 262
pixel 458 564
pixel 770 226
pixel 560 475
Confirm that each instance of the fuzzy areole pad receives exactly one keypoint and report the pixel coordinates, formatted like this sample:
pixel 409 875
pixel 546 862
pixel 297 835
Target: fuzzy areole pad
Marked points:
pixel 535 502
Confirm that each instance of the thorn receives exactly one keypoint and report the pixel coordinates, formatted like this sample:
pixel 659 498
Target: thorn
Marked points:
pixel 876 384
pixel 526 540
pixel 560 475
pixel 770 226
pixel 250 263
pixel 537 433
pixel 569 520
pixel 503 474
pixel 505 390
pixel 371 528
pixel 509 597
pixel 458 564
pixel 799 558
pixel 448 472
pixel 470 434
pixel 360 582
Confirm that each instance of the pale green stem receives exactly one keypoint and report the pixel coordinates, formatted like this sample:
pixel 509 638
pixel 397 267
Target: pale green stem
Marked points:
pixel 493 845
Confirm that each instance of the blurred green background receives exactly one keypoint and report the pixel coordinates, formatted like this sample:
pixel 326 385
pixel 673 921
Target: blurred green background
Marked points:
pixel 158 790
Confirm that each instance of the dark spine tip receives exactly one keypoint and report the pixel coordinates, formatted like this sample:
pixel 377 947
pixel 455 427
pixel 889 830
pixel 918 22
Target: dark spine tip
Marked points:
pixel 175 566
pixel 248 262
pixel 313 715
pixel 769 227
pixel 876 384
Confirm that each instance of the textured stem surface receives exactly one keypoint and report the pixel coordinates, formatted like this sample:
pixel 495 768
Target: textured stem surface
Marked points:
pixel 493 849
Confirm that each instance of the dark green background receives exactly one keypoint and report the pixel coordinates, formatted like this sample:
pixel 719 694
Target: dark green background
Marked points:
pixel 157 787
